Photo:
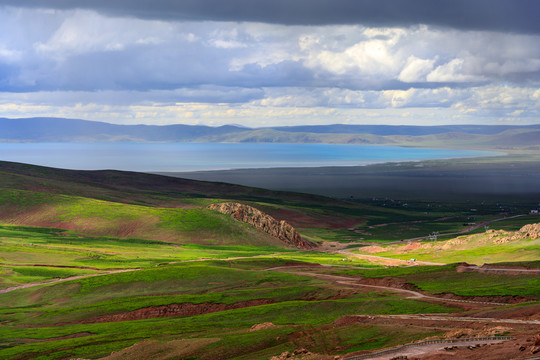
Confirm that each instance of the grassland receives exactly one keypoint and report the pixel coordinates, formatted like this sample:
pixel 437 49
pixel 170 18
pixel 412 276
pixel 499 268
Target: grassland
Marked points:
pixel 29 254
pixel 135 264
pixel 294 304
pixel 480 248
pixel 105 218
pixel 445 280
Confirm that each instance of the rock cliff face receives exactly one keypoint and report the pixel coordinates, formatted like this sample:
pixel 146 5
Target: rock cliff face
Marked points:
pixel 279 229
pixel 529 231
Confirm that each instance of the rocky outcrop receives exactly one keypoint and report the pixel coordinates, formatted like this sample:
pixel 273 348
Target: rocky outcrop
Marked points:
pixel 279 229
pixel 531 231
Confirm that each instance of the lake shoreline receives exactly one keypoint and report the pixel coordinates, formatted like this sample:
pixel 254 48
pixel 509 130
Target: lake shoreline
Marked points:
pixel 188 157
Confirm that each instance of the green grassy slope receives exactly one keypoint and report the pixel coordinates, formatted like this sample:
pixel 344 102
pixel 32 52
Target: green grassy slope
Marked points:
pixel 104 218
pixel 168 192
pixel 103 203
pixel 133 187
pixel 484 247
pixel 294 304
pixel 447 280
pixel 30 254
pixel 162 277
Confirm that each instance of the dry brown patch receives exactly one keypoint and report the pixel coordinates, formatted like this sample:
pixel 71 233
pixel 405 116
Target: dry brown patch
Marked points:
pixel 531 312
pixel 266 325
pixel 517 349
pixel 413 246
pixel 302 354
pixel 486 331
pixel 335 245
pixel 183 309
pixel 160 350
pixel 373 249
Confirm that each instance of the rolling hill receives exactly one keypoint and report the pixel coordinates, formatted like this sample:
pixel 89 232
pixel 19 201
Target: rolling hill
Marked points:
pixel 122 265
pixel 73 130
pixel 129 204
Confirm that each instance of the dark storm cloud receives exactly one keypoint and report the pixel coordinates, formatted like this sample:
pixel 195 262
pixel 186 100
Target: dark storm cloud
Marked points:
pixel 496 15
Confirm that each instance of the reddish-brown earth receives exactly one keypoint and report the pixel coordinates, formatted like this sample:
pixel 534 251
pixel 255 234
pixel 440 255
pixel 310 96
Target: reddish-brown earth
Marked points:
pixel 523 346
pixel 183 309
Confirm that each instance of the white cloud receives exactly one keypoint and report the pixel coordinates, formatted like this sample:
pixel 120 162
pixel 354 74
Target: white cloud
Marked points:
pixel 398 98
pixel 416 69
pixel 371 53
pixel 452 71
pixel 372 56
pixel 516 112
pixel 9 55
pixel 85 31
pixel 226 39
pixel 130 66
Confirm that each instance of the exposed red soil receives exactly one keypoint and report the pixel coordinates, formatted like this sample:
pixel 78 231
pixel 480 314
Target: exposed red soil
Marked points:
pixel 190 309
pixel 509 267
pixel 302 354
pixel 183 309
pixel 531 312
pixel 340 294
pixel 447 324
pixel 401 284
pixel 523 347
pixel 413 246
pixel 266 325
pixel 502 299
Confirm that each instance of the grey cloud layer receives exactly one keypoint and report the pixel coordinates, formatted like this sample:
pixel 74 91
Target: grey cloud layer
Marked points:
pixel 84 51
pixel 117 56
pixel 498 15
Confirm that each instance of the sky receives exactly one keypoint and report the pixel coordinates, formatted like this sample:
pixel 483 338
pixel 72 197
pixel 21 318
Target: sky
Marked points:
pixel 264 63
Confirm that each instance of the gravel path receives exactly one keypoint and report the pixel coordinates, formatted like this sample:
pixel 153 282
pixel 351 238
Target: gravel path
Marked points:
pixel 343 280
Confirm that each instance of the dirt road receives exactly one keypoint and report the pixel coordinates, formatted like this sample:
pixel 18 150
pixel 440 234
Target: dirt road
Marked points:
pixel 442 319
pixel 347 281
pixel 54 281
pixel 108 272
pixel 420 349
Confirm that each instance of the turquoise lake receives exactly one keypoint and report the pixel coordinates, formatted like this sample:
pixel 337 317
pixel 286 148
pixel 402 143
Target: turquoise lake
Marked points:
pixel 213 156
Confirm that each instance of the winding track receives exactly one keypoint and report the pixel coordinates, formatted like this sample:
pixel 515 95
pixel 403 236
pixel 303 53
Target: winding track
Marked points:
pixel 28 285
pixel 343 280
pixel 452 318
pixel 48 282
pixel 108 272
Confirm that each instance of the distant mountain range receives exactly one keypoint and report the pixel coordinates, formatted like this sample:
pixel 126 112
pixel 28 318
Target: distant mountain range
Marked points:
pixel 73 130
